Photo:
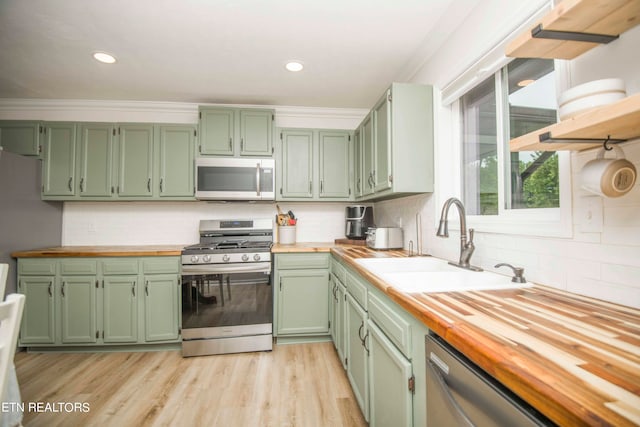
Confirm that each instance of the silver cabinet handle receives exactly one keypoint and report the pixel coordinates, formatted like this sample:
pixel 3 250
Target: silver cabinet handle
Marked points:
pixel 322 187
pixel 310 187
pixel 364 342
pixel 49 289
pixel 149 185
pixel 62 290
pixel 82 184
pixel 133 289
pixel 454 408
pixel 161 186
pixel 230 143
pixel 146 288
pixel 360 332
pixel 69 183
pixel 257 179
pixel 241 144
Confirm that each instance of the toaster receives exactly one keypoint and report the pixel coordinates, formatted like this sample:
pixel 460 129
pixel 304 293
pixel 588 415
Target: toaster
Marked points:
pixel 385 238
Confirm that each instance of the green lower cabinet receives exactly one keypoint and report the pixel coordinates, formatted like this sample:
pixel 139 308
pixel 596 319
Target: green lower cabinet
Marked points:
pixel 120 309
pixel 357 354
pixel 38 318
pixel 78 304
pixel 303 306
pixel 161 307
pixel 338 303
pixel 390 374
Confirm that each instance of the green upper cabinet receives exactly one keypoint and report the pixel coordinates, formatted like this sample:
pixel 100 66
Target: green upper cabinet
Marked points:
pixel 135 160
pixel 397 143
pixel 382 139
pixel 59 159
pixel 235 131
pixel 315 165
pixel 335 161
pixel 176 148
pixel 20 137
pixel 95 166
pixel 296 170
pixel 256 133
pixel 216 131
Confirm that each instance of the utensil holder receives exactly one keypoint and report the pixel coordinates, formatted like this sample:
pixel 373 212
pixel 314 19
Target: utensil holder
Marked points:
pixel 287 235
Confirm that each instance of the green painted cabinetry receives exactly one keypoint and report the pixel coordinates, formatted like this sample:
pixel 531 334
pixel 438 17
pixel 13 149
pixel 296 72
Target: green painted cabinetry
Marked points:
pixel 59 159
pixel 357 353
pixel 337 305
pixel 235 131
pixel 105 161
pixel 396 144
pixel 20 137
pixel 314 165
pixel 301 287
pixel 99 301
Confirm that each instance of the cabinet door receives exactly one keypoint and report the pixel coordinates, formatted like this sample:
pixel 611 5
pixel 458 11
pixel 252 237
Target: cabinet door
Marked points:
pixel 216 132
pixel 297 164
pixel 368 156
pixel 256 133
pixel 59 159
pixel 357 353
pixel 96 160
pixel 78 309
pixel 335 169
pixel 120 309
pixel 161 307
pixel 357 163
pixel 303 306
pixel 177 151
pixel 37 325
pixel 135 165
pixel 382 138
pixel 390 376
pixel 20 137
pixel 338 298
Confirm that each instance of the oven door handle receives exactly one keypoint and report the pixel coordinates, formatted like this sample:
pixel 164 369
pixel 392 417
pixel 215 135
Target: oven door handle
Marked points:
pixel 226 268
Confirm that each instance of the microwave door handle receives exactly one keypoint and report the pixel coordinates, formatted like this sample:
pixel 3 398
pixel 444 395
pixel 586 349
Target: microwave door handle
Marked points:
pixel 258 179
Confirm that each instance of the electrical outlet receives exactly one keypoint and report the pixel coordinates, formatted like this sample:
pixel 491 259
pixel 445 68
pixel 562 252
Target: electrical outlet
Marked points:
pixel 592 216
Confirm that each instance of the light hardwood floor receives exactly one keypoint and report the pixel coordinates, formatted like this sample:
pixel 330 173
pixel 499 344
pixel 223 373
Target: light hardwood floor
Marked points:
pixel 294 385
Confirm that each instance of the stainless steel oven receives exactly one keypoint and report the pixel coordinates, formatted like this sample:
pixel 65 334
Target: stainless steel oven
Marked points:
pixel 230 178
pixel 227 297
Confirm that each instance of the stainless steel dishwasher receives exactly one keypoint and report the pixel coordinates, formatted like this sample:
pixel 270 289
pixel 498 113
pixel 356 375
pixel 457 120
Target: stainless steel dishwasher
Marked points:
pixel 461 394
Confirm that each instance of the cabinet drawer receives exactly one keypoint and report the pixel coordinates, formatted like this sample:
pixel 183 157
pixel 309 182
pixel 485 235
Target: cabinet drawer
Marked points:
pixel 357 288
pixel 302 261
pixel 161 265
pixel 120 266
pixel 338 270
pixel 37 267
pixel 78 267
pixel 391 323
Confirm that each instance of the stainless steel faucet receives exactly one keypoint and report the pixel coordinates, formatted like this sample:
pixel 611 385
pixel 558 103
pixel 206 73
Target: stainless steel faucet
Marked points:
pixel 466 247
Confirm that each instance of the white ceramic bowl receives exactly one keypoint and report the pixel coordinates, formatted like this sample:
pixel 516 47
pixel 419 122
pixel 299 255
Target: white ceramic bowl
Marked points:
pixel 587 96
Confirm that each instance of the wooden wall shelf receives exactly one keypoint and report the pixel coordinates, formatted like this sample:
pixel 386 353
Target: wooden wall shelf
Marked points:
pixel 617 121
pixel 579 17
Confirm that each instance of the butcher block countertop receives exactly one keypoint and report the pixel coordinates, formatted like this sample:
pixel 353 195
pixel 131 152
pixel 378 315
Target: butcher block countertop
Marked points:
pixel 575 359
pixel 101 251
pixel 277 248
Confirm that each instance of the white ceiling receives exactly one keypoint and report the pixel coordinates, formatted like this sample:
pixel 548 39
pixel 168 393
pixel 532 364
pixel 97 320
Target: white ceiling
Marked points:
pixel 219 51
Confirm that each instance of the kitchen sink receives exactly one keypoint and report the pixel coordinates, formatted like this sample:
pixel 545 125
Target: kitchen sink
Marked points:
pixel 426 275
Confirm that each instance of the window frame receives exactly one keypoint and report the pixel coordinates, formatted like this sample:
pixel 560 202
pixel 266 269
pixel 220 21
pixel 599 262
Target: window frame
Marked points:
pixel 543 222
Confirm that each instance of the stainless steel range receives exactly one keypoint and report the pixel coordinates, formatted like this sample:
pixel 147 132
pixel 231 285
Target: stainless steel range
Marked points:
pixel 227 297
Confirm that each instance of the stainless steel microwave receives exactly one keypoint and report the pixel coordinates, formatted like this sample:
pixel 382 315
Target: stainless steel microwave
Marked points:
pixel 235 178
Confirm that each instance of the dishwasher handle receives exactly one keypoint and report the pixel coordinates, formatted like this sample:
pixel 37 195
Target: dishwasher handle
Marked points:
pixel 454 408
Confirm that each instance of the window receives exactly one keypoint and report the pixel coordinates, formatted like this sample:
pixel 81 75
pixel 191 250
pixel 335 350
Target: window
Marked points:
pixel 518 99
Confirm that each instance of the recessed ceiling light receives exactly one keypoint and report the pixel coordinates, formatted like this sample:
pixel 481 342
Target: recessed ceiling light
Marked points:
pixel 104 57
pixel 527 82
pixel 294 66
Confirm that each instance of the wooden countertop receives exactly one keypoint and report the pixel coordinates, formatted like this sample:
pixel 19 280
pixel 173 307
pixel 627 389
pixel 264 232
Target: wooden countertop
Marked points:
pixel 575 359
pixel 277 248
pixel 101 251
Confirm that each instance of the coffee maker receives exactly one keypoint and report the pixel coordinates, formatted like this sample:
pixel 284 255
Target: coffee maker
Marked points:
pixel 358 221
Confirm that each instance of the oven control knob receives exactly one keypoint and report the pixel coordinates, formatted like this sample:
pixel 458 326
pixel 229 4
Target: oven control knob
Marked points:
pixel 194 259
pixel 256 257
pixel 245 257
pixel 206 258
pixel 226 258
